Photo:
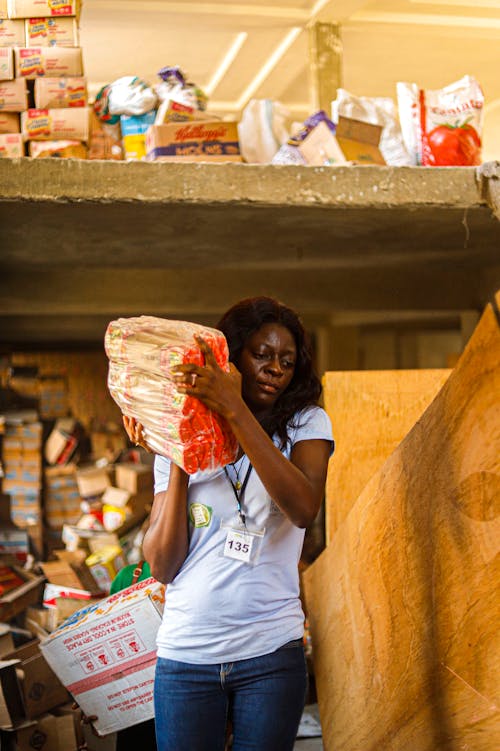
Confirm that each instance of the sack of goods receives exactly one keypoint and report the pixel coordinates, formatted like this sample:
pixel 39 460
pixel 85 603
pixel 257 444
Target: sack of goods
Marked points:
pixel 142 352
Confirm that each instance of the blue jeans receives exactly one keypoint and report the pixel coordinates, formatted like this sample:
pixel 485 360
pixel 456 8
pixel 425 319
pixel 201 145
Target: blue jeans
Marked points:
pixel 263 697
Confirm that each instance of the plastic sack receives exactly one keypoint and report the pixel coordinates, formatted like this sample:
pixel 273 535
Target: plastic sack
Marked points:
pixel 175 87
pixel 141 353
pixel 443 127
pixel 131 96
pixel 289 153
pixel 264 127
pixel 377 111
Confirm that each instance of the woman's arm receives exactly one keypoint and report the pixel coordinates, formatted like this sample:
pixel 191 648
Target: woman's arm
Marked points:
pixel 296 486
pixel 166 542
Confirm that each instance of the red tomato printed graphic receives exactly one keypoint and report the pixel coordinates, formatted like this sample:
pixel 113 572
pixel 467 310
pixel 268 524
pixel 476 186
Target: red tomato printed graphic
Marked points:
pixel 454 145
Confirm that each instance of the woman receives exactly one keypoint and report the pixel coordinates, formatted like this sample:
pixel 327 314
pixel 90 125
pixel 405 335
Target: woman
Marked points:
pixel 228 542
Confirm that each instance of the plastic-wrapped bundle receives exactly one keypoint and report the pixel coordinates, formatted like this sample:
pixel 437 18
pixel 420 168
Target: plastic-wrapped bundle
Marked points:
pixel 142 351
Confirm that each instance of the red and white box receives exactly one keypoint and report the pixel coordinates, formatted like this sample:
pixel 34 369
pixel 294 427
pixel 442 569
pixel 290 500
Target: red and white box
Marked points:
pixel 50 32
pixel 105 655
pixel 11 145
pixel 32 62
pixel 41 8
pixel 68 123
pixel 13 95
pixel 54 93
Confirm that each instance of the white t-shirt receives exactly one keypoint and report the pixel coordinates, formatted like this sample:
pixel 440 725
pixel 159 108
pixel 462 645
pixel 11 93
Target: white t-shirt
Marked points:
pixel 220 609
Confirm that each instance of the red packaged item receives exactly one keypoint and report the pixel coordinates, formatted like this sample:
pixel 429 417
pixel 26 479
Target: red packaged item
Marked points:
pixel 142 352
pixel 442 128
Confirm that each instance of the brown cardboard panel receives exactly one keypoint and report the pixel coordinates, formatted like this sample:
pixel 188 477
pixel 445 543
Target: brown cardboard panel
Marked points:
pixel 403 604
pixel 371 412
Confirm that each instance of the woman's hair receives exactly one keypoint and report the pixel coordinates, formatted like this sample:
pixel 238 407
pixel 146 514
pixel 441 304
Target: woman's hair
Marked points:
pixel 245 318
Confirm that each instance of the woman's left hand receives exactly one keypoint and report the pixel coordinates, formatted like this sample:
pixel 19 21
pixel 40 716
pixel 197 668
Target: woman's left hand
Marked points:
pixel 217 389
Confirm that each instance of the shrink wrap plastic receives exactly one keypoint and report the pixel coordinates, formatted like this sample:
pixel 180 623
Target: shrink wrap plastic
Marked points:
pixel 142 351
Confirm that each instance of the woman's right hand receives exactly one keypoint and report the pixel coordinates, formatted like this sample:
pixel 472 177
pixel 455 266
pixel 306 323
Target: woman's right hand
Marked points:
pixel 135 432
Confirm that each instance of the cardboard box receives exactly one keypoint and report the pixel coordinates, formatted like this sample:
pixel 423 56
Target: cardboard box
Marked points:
pixel 3 9
pixel 6 65
pixel 50 32
pixel 12 710
pixel 175 112
pixel 93 481
pixel 54 93
pixel 11 145
pixel 31 62
pixel 57 150
pixel 42 8
pixel 359 141
pixel 47 733
pixel 9 123
pixel 321 147
pixel 138 479
pixel 13 94
pixel 106 655
pixel 40 688
pixel 54 124
pixel 208 141
pixel 29 593
pixel 14 542
pixel 133 129
pixel 105 564
pixel 11 33
pixel 6 640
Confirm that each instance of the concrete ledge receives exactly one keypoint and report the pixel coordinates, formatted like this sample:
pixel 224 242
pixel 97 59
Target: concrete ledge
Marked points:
pixel 353 186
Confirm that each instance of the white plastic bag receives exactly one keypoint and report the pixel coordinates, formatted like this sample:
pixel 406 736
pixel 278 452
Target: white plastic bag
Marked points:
pixel 442 127
pixel 377 111
pixel 131 96
pixel 264 127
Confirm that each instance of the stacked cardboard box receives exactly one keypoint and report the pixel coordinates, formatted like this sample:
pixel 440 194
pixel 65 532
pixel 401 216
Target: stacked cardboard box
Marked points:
pixel 13 92
pixel 61 498
pixel 46 65
pixel 22 462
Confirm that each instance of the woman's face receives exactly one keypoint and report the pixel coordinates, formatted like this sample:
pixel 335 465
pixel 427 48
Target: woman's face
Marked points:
pixel 267 365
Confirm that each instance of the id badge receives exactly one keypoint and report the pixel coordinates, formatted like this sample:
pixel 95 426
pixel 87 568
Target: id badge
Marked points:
pixel 241 543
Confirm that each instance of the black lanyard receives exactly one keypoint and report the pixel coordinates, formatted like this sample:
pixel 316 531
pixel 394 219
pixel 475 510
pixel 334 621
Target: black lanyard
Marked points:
pixel 238 491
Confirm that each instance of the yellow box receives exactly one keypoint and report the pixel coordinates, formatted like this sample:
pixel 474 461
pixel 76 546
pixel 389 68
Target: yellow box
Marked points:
pixel 50 32
pixel 54 93
pixel 105 564
pixel 41 8
pixel 134 146
pixel 32 62
pixel 68 123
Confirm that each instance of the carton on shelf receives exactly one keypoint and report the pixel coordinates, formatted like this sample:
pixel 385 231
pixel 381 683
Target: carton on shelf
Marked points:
pixel 57 442
pixel 32 62
pixel 6 64
pixel 105 564
pixel 14 542
pixel 106 655
pixel 59 149
pixel 67 123
pixel 136 478
pixel 11 33
pixel 11 145
pixel 9 123
pixel 50 32
pixel 359 141
pixel 170 111
pixel 133 129
pixel 206 141
pixel 92 481
pixel 42 8
pixel 13 94
pixel 3 9
pixel 105 140
pixel 54 93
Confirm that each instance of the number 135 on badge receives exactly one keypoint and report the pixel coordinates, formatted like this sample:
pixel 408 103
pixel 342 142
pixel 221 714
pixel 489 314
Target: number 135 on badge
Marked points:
pixel 238 545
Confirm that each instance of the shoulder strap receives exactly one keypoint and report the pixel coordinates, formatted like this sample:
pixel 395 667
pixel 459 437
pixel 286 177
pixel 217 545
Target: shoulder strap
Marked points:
pixel 137 572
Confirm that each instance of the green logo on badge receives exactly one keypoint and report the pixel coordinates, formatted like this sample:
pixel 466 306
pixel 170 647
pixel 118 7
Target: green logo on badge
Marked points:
pixel 200 514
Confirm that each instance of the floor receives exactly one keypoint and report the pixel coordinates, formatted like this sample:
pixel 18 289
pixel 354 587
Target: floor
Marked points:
pixel 309 735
